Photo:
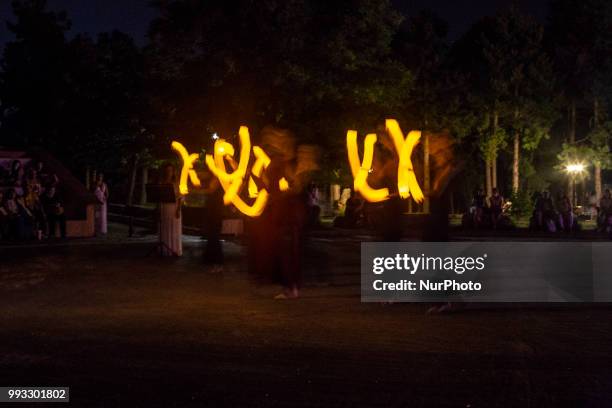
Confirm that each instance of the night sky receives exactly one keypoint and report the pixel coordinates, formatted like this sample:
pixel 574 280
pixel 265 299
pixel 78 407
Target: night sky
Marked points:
pixel 133 16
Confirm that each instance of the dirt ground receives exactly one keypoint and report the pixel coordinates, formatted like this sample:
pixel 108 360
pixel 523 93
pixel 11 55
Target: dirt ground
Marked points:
pixel 126 330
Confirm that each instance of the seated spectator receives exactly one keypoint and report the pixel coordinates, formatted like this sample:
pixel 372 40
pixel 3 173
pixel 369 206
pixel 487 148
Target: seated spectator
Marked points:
pixel 16 174
pixel 54 210
pixel 496 205
pixel 41 172
pixel 566 214
pixel 592 200
pixel 544 213
pixel 478 207
pixel 32 183
pixel 314 210
pixel 604 220
pixel 353 212
pixel 52 180
pixel 354 209
pixel 34 206
pixel 16 222
pixel 4 218
pixel 4 176
pixel 27 219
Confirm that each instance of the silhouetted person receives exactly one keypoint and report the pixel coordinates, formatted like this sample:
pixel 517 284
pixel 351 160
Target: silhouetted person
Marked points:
pixel 496 205
pixel 54 210
pixel 16 174
pixel 353 214
pixel 566 214
pixel 478 204
pixel 605 212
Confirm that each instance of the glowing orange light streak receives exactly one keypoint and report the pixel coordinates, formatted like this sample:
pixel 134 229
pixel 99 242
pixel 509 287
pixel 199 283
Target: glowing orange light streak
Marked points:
pixel 187 172
pixel 406 178
pixel 232 182
pixel 361 169
pixel 407 183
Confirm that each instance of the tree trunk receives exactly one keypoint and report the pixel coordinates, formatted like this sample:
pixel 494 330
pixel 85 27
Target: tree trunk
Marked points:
pixel 426 173
pixel 132 181
pixel 87 178
pixel 494 159
pixel 572 122
pixel 597 163
pixel 597 177
pixel 488 177
pixel 572 139
pixel 515 162
pixel 143 188
pixel 494 171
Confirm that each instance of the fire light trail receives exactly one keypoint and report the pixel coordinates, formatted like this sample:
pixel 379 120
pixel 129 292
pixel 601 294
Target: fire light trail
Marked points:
pixel 407 183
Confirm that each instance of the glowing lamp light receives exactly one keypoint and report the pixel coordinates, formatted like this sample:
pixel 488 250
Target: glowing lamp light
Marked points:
pixel 283 184
pixel 575 168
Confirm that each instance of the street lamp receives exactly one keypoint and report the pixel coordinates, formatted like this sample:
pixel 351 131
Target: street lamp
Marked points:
pixel 574 170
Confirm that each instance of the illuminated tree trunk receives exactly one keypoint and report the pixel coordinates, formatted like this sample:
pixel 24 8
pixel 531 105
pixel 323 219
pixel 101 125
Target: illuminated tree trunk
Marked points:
pixel 132 181
pixel 597 163
pixel 572 140
pixel 488 177
pixel 494 160
pixel 426 173
pixel 597 177
pixel 572 122
pixel 516 156
pixel 87 178
pixel 143 188
pixel 515 163
pixel 494 171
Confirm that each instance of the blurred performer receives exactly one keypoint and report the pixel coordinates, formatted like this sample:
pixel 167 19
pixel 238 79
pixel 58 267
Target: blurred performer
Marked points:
pixel 386 215
pixel 213 252
pixel 171 228
pixel 444 168
pixel 276 237
pixel 101 193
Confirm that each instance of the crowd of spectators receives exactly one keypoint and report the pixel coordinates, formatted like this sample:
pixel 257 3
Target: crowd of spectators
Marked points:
pixel 30 204
pixel 488 212
pixel 559 215
pixel 551 214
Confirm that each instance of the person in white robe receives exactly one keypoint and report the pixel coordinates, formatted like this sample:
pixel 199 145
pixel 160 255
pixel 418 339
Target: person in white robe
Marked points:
pixel 101 193
pixel 171 228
